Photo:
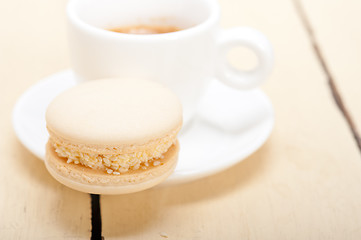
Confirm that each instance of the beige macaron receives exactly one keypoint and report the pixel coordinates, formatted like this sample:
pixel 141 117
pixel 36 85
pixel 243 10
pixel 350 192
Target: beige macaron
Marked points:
pixel 113 136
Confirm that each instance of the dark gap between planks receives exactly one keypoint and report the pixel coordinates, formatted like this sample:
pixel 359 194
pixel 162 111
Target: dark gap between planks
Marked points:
pixel 96 218
pixel 335 93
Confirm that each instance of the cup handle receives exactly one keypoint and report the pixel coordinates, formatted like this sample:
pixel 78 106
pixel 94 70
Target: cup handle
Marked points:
pixel 250 38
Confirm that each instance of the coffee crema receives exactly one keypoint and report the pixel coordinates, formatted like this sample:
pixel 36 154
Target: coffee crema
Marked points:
pixel 145 29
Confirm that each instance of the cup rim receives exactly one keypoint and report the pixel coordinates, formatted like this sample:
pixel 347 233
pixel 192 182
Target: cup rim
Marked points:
pixel 208 23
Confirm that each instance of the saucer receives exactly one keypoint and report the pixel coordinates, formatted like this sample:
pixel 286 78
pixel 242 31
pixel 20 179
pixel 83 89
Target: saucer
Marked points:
pixel 230 126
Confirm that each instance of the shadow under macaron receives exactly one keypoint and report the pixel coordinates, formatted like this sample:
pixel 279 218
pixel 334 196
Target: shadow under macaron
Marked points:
pixel 148 212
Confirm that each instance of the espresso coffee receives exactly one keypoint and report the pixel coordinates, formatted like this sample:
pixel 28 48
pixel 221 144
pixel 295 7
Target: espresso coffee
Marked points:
pixel 145 29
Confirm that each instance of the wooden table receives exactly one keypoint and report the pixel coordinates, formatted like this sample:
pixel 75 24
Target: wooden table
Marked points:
pixel 304 183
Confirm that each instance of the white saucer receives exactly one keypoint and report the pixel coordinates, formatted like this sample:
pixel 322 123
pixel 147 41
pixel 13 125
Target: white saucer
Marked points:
pixel 230 126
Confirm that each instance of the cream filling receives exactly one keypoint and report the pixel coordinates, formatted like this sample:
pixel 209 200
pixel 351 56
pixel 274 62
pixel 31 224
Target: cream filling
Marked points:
pixel 117 163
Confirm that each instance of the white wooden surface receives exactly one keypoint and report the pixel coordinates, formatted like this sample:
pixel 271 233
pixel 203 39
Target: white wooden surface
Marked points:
pixel 304 183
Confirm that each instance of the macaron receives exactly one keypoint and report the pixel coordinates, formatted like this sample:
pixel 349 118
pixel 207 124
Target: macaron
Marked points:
pixel 113 136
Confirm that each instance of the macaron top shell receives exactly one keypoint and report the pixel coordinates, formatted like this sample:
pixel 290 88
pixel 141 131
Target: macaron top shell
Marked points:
pixel 114 112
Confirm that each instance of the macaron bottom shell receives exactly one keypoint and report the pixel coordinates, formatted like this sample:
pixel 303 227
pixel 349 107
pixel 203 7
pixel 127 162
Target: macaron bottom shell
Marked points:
pixel 85 179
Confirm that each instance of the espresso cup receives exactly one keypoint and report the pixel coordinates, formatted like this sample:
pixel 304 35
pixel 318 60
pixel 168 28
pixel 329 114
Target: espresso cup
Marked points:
pixel 184 60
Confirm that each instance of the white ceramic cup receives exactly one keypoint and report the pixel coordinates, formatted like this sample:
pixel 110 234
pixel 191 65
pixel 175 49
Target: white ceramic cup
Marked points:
pixel 185 60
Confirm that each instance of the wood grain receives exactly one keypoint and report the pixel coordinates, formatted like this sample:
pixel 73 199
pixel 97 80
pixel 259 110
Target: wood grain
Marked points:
pixel 304 183
pixel 338 33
